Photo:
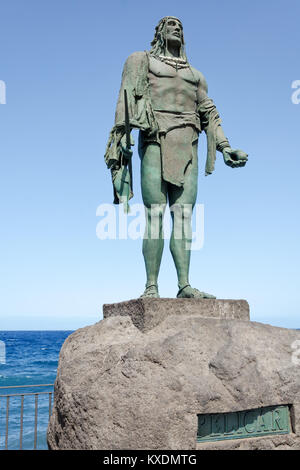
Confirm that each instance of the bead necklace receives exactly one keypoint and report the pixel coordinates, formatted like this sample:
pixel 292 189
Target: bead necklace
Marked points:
pixel 175 62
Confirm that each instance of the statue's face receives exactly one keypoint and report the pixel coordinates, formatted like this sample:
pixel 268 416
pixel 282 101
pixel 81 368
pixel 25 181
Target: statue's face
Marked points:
pixel 174 32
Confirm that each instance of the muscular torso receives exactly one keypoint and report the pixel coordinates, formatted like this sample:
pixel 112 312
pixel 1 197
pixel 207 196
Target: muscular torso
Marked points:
pixel 171 90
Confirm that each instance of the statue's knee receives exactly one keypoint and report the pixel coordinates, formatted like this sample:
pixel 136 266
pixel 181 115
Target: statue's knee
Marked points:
pixel 182 220
pixel 154 220
pixel 155 212
pixel 181 211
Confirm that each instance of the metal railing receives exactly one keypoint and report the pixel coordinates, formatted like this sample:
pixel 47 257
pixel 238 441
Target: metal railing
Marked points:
pixel 8 397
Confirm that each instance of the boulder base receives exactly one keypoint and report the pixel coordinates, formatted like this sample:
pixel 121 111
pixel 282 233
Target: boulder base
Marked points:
pixel 147 313
pixel 139 378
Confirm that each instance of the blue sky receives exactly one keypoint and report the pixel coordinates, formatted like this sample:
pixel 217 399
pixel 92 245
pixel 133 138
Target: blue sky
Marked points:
pixel 62 63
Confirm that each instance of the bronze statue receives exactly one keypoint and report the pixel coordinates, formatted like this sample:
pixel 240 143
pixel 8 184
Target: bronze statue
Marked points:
pixel 168 103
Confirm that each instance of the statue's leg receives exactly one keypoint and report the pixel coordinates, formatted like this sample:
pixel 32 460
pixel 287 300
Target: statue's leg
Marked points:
pixel 154 192
pixel 182 201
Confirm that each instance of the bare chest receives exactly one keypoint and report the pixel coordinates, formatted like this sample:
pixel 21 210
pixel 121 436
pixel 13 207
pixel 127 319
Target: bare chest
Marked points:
pixel 171 89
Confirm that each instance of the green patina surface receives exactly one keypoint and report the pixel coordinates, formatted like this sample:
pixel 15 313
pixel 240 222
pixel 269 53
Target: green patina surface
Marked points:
pixel 167 101
pixel 244 424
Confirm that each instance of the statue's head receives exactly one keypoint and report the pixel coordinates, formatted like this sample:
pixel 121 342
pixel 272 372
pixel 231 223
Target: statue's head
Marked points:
pixel 168 31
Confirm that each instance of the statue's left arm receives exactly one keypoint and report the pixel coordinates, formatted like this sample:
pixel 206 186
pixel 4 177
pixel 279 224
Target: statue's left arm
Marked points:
pixel 216 140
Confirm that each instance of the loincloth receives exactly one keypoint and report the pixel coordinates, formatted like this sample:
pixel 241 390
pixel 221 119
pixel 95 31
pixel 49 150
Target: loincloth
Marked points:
pixel 177 133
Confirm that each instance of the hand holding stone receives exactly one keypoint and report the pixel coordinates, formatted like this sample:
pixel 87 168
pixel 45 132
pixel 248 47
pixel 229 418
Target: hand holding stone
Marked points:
pixel 234 158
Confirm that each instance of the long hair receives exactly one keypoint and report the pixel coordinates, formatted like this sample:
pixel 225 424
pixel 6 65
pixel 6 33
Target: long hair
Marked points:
pixel 159 42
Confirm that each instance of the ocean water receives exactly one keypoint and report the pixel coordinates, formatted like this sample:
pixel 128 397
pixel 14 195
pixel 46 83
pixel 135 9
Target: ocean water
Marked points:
pixel 27 358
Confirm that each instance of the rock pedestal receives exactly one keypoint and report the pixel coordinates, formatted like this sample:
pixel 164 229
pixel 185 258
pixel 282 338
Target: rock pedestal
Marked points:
pixel 139 378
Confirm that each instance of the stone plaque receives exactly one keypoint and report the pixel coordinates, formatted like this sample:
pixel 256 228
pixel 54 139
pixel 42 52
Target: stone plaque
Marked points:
pixel 244 424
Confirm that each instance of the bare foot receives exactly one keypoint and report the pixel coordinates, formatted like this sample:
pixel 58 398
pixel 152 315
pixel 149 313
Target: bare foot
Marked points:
pixel 189 292
pixel 150 291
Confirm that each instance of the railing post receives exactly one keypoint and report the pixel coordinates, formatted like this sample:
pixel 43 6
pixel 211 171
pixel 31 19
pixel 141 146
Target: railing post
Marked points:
pixel 50 404
pixel 21 421
pixel 22 396
pixel 7 418
pixel 35 419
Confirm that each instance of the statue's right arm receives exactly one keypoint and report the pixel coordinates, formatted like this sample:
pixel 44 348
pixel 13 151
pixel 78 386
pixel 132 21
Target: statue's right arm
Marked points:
pixel 116 147
pixel 130 74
